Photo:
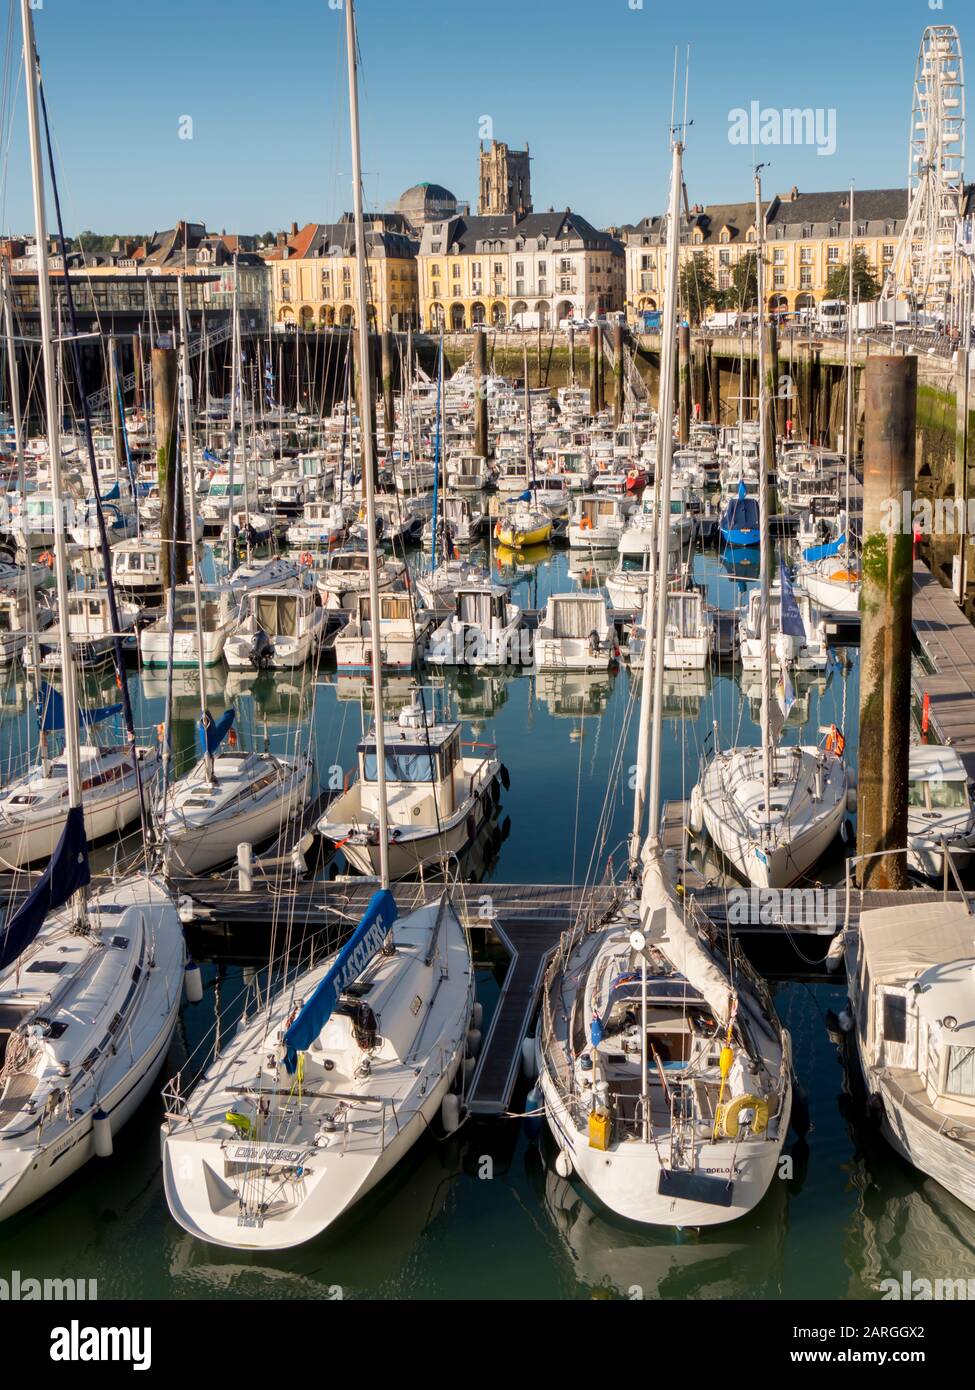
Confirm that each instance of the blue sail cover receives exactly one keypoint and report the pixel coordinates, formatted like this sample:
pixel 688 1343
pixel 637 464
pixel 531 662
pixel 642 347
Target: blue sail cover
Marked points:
pixel 791 620
pixel 210 732
pixel 825 552
pixel 67 871
pixel 209 456
pixel 525 496
pixel 350 962
pixel 50 710
pixel 739 521
pixel 113 494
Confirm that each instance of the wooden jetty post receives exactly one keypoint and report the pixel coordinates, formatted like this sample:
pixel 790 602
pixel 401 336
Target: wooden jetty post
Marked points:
pixel 594 340
pixel 885 620
pixel 172 520
pixel 480 394
pixel 114 394
pixel 684 383
pixel 617 373
pixel 389 414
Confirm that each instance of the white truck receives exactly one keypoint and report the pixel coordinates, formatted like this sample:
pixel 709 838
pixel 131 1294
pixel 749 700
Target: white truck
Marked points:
pixel 724 322
pixel 881 313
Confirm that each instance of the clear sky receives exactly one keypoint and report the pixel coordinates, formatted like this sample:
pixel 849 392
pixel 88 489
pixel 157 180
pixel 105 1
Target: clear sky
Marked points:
pixel 586 82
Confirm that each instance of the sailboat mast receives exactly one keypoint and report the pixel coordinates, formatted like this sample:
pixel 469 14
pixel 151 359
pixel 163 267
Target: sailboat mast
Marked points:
pixel 848 423
pixel 365 435
pixel 764 539
pixel 18 424
pixel 665 451
pixel 184 362
pixel 71 738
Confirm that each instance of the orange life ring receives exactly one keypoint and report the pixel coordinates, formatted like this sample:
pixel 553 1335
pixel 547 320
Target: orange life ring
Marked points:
pixel 585 524
pixel 232 738
pixel 306 557
pixel 46 559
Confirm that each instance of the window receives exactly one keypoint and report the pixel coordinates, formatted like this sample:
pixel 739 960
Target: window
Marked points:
pixel 519 287
pixel 960 1074
pixel 498 268
pixel 805 279
pixel 895 1018
pixel 833 255
pixel 403 765
pixel 778 279
pixel 519 267
pixel 888 251
pixel 541 268
pixel 435 271
pixel 455 271
pixel 778 255
pixel 476 270
pixel 541 287
pixel 724 258
pixel 805 255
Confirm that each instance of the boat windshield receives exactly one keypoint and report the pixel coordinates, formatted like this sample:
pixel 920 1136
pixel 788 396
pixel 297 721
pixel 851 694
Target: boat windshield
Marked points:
pixel 403 765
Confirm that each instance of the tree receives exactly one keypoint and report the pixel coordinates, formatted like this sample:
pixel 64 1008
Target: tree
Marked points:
pixel 696 290
pixel 744 284
pixel 865 285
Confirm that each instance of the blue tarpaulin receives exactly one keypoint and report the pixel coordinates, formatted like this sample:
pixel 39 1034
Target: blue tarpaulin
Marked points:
pixel 210 732
pixel 791 620
pixel 50 710
pixel 824 552
pixel 209 456
pixel 350 962
pixel 66 872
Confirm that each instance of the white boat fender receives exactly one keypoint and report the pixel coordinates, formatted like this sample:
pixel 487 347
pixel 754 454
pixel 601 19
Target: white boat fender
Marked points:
pixel 469 1065
pixel 101 1129
pixel 834 956
pixel 846 1020
pixel 851 800
pixel 529 1065
pixel 563 1164
pixel 695 814
pixel 450 1112
pixel 473 1041
pixel 846 829
pixel 534 1106
pixel 193 982
pixel 477 1014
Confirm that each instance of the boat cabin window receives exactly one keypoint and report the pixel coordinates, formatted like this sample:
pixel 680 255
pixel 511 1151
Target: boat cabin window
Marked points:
pixel 133 561
pixel 937 795
pixel 403 764
pixel 960 1072
pixel 895 1018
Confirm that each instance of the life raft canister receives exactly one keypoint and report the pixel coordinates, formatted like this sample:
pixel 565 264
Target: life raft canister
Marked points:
pixel 835 742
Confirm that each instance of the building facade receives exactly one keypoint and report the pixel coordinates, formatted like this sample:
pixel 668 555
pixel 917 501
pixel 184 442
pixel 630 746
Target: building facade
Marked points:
pixel 504 182
pixel 807 237
pixel 314 278
pixel 536 270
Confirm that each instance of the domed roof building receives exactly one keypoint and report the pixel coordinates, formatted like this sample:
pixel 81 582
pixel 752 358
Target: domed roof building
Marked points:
pixel 427 202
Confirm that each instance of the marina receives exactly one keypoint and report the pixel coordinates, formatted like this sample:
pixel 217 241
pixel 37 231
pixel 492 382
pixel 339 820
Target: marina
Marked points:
pixel 487 732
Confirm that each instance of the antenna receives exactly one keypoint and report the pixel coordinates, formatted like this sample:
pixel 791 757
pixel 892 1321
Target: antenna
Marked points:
pixel 687 82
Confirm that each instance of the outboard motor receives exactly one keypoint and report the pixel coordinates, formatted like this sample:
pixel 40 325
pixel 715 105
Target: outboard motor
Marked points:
pixel 594 642
pixel 262 650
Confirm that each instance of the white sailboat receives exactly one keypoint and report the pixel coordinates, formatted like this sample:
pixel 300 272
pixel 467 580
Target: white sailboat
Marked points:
pixel 664 1072
pixel 90 986
pixel 336 1077
pixel 771 811
pixel 231 796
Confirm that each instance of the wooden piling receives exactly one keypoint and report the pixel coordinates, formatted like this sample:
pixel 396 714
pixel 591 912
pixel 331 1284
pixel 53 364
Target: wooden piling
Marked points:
pixel 684 383
pixel 885 620
pixel 480 395
pixel 172 522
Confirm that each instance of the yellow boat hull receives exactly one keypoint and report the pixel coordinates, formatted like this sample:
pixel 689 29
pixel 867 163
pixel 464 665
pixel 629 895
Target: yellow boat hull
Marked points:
pixel 519 540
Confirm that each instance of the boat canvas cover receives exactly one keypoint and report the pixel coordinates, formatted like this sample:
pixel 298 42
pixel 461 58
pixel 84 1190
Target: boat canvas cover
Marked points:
pixel 577 617
pixel 50 710
pixel 474 608
pixel 210 732
pixel 900 943
pixel 277 614
pixel 350 962
pixel 680 943
pixel 824 552
pixel 66 872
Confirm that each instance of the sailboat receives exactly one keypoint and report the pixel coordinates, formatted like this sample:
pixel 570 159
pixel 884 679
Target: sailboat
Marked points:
pixel 771 811
pixel 231 796
pixel 90 984
pixel 335 1077
pixel 663 1069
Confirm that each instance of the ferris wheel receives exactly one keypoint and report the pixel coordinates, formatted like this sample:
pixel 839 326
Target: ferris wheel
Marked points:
pixel 925 253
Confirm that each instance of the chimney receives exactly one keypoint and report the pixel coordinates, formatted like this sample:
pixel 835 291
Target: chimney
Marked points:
pixel 294 229
pixel 794 193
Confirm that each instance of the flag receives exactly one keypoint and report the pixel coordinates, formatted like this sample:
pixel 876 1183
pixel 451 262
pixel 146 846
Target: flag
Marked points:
pixel 67 871
pixel 791 619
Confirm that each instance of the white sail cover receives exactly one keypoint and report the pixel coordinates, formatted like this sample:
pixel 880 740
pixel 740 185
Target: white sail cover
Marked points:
pixel 679 943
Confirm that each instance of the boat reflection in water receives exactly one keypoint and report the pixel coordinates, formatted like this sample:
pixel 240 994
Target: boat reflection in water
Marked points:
pixel 616 1259
pixel 574 694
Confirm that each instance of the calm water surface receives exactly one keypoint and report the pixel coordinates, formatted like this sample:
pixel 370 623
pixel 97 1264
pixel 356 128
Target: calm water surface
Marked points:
pixel 483 1214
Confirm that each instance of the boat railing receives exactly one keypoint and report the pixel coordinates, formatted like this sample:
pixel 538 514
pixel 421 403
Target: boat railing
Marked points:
pixel 949 874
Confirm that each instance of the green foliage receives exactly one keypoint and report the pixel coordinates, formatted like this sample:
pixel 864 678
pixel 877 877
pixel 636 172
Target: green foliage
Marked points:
pixel 696 290
pixel 865 286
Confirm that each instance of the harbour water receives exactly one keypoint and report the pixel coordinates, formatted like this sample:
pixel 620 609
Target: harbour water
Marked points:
pixel 482 1214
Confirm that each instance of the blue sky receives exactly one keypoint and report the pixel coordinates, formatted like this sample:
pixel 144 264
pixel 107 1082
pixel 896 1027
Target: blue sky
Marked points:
pixel 586 82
